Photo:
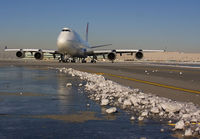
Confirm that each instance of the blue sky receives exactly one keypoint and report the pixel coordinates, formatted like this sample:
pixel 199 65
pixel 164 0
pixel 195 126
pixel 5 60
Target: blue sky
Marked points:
pixel 146 24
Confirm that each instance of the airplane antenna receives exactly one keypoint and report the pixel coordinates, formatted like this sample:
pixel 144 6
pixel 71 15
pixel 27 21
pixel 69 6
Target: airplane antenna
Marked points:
pixel 86 35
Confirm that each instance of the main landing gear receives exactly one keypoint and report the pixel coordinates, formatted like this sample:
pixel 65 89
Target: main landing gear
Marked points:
pixel 68 59
pixel 94 59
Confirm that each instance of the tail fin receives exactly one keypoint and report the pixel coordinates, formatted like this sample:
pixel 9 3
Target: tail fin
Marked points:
pixel 86 35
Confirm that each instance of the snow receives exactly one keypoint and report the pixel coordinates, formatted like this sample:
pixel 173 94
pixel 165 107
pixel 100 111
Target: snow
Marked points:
pixel 88 105
pixel 104 102
pixel 127 102
pixel 132 118
pixel 80 85
pixel 180 125
pixel 107 92
pixel 111 110
pixel 162 130
pixel 140 118
pixel 188 132
pixel 68 84
pixel 171 107
pixel 144 114
pixel 155 110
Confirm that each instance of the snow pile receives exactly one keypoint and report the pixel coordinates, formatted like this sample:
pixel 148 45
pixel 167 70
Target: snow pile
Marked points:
pixel 107 92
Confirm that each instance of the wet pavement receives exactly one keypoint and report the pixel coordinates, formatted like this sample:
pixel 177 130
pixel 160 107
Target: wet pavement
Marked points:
pixel 36 103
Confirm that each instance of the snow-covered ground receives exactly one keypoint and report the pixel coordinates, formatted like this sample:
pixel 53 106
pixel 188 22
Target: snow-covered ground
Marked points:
pixel 109 93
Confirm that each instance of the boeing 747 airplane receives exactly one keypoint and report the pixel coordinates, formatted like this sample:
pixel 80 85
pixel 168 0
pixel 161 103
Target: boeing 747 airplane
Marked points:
pixel 71 46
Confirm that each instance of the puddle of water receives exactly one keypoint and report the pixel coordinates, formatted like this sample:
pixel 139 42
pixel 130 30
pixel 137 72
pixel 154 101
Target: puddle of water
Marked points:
pixel 49 109
pixel 79 117
pixel 25 94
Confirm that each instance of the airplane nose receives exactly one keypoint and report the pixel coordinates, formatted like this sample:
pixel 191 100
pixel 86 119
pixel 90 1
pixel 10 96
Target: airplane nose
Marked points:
pixel 64 41
pixel 61 43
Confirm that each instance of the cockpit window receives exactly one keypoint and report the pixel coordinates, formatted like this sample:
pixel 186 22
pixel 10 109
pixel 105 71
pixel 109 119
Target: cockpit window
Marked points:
pixel 66 30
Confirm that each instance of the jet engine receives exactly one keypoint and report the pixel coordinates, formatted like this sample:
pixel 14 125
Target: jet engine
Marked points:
pixel 139 55
pixel 38 55
pixel 20 54
pixel 112 56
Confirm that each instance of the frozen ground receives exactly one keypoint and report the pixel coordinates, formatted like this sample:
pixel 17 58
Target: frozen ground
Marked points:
pixel 185 115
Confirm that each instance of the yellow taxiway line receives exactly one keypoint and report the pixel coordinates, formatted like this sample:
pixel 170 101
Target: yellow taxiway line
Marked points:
pixel 153 83
pixel 147 82
pixel 190 123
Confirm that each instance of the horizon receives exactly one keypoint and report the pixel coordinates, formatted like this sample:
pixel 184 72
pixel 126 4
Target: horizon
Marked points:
pixel 130 24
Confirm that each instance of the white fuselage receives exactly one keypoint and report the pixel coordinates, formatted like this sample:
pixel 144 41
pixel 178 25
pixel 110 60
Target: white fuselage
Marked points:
pixel 70 43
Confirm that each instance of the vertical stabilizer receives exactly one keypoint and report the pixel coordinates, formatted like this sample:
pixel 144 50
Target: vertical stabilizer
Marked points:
pixel 86 35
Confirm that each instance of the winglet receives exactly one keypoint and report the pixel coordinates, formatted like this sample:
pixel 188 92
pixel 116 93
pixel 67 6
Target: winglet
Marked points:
pixel 86 35
pixel 6 47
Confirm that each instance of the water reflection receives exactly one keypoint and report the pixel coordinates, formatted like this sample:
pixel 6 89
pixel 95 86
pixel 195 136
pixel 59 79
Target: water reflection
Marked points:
pixel 63 91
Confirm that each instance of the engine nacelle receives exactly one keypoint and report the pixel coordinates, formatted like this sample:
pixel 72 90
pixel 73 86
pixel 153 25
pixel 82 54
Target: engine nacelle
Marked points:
pixel 112 56
pixel 139 55
pixel 20 54
pixel 38 55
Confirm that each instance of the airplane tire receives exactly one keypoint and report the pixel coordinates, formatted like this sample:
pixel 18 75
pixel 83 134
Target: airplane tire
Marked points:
pixel 83 61
pixel 73 61
pixel 93 61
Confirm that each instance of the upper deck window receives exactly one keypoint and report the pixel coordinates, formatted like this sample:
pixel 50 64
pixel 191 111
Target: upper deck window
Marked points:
pixel 66 30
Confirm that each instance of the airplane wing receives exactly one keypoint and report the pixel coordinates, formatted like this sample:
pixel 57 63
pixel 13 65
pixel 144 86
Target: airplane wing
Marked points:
pixel 99 52
pixel 111 54
pixel 31 50
pixel 38 53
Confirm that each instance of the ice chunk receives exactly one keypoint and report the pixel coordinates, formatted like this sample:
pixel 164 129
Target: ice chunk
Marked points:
pixel 68 84
pixel 134 100
pixel 170 107
pixel 120 100
pixel 111 110
pixel 104 102
pixel 194 120
pixel 88 105
pixel 132 118
pixel 161 113
pixel 140 118
pixel 155 110
pixel 144 114
pixel 180 125
pixel 185 116
pixel 188 132
pixel 80 85
pixel 127 102
pixel 162 130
